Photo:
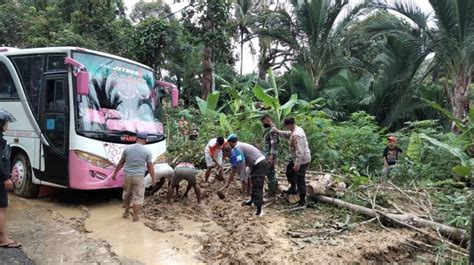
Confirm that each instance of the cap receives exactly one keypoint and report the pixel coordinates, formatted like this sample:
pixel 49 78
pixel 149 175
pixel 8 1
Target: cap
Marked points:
pixel 232 136
pixel 392 138
pixel 5 115
pixel 142 136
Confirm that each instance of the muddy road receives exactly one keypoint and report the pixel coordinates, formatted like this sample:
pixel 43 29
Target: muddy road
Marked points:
pixel 88 228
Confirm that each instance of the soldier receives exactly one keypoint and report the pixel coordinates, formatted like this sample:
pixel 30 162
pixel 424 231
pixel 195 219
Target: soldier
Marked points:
pixel 270 150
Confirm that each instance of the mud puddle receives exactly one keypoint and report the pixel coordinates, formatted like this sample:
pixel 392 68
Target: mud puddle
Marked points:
pixel 48 238
pixel 139 242
pixel 78 228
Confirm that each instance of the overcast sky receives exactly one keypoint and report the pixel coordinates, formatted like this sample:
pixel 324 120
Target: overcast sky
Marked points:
pixel 250 60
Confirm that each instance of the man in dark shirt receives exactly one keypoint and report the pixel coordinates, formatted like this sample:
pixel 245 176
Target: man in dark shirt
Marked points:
pixel 6 184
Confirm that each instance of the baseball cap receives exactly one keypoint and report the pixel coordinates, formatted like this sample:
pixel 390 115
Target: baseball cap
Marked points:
pixel 142 136
pixel 392 138
pixel 232 136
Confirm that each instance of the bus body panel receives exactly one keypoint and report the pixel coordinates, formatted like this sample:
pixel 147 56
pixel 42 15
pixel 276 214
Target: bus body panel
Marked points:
pixel 68 49
pixel 21 134
pixel 19 130
pixel 84 175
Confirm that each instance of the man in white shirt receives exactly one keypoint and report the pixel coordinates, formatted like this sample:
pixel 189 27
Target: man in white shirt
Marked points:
pixel 300 158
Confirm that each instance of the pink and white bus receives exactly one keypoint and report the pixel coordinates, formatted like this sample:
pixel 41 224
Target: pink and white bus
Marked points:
pixel 76 110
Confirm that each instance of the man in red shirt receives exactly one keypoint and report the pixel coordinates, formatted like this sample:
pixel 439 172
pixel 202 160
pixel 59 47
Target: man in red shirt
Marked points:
pixel 213 156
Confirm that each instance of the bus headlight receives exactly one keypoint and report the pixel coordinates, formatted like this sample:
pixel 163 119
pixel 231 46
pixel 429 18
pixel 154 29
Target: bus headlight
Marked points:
pixel 92 159
pixel 160 159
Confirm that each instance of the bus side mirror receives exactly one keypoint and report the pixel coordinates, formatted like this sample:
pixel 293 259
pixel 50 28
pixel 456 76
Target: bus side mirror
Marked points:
pixel 82 76
pixel 174 97
pixel 82 83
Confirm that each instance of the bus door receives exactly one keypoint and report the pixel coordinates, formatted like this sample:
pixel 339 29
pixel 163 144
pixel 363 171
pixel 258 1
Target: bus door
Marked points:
pixel 54 126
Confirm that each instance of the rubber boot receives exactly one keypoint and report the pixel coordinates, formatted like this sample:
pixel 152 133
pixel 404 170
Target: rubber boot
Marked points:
pixel 291 190
pixel 247 203
pixel 302 201
pixel 259 211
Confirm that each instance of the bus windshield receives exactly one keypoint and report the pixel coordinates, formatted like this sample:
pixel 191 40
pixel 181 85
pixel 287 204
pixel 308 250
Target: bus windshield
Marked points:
pixel 122 99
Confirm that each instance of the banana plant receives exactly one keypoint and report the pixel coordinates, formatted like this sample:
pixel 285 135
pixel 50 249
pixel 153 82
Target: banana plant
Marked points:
pixel 241 96
pixel 466 135
pixel 208 107
pixel 415 148
pixel 273 102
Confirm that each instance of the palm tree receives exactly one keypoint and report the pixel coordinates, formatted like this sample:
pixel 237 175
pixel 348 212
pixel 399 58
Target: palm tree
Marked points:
pixel 451 38
pixel 242 11
pixel 313 31
pixel 390 96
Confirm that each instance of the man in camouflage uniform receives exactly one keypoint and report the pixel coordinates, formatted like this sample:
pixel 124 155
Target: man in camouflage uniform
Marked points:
pixel 270 150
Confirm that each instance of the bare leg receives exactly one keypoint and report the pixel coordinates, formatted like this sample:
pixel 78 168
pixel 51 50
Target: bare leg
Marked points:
pixel 4 240
pixel 170 193
pixel 197 190
pixel 208 173
pixel 244 189
pixel 136 212
pixel 157 187
pixel 188 188
pixel 221 173
pixel 126 205
pixel 177 193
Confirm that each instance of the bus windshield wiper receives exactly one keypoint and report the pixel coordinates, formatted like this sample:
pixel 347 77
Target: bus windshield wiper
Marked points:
pixel 122 132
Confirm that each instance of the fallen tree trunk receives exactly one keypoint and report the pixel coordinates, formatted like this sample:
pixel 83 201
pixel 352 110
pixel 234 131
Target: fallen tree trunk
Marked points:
pixel 455 234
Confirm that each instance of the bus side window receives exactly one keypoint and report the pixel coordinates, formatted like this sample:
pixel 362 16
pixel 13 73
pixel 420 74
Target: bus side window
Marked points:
pixel 55 95
pixel 54 117
pixel 7 86
pixel 30 69
pixel 56 63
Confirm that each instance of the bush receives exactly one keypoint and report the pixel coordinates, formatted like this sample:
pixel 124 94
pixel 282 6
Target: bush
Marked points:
pixel 423 161
pixel 354 145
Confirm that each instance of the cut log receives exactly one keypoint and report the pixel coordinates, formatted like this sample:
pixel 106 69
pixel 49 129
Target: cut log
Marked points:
pixel 326 180
pixel 293 199
pixel 341 187
pixel 316 188
pixel 325 186
pixel 455 234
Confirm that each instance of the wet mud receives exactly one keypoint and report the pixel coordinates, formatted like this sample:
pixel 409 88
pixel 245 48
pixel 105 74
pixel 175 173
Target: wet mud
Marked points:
pixel 84 228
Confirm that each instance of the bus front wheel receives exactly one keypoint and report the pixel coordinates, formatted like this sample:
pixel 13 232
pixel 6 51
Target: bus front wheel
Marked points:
pixel 24 186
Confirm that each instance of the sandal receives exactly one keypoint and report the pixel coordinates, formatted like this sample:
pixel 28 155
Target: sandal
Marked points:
pixel 13 244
